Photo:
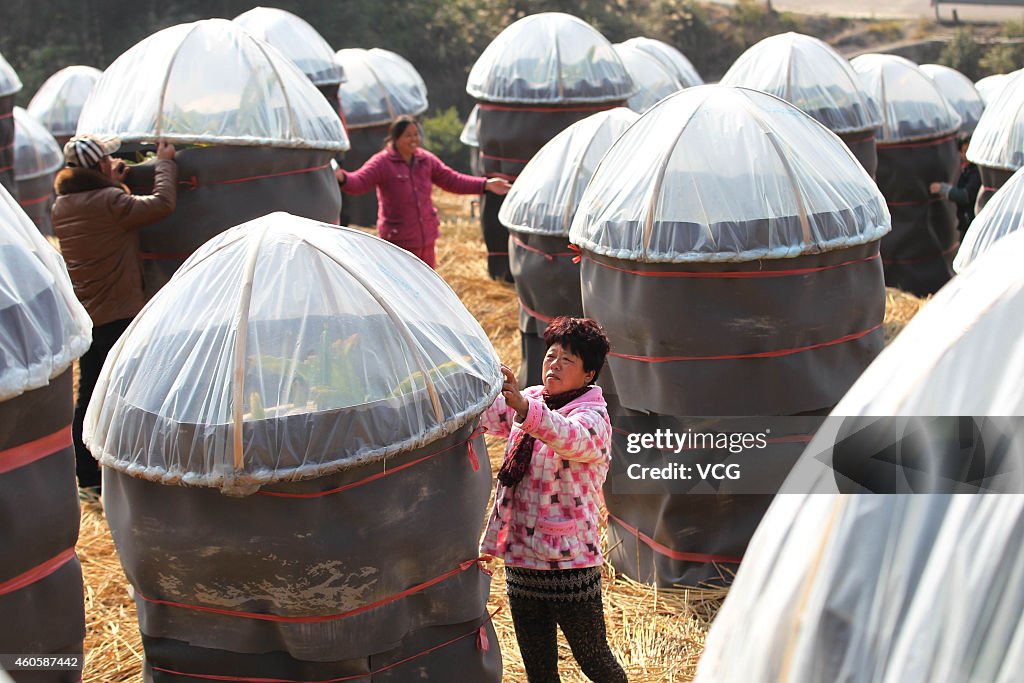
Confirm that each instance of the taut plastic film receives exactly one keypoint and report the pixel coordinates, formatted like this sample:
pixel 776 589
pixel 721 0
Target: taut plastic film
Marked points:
pixel 998 140
pixel 1002 215
pixel 652 80
pixel 671 58
pixel 9 81
pixel 960 92
pixel 211 82
pixel 58 102
pixel 378 88
pixel 287 349
pixel 36 153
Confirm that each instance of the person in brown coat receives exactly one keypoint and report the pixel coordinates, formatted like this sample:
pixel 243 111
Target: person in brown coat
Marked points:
pixel 96 219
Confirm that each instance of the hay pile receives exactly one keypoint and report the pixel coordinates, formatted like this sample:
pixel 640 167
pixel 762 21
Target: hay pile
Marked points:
pixel 657 635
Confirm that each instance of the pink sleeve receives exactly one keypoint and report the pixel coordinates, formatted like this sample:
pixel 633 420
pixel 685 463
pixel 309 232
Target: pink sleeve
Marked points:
pixel 369 176
pixel 450 180
pixel 584 435
pixel 497 419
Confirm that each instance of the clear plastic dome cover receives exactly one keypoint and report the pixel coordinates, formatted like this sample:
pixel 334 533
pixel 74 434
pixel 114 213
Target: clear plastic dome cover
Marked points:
pixel 544 198
pixel 36 153
pixel 960 92
pixel 719 173
pixel 1003 214
pixel 469 136
pixel 287 349
pixel 401 64
pixel 43 327
pixel 297 40
pixel 58 102
pixel 378 88
pixel 811 75
pixel 652 80
pixel 549 58
pixel 998 140
pixel 9 81
pixel 990 87
pixel 671 58
pixel 912 106
pixel 211 82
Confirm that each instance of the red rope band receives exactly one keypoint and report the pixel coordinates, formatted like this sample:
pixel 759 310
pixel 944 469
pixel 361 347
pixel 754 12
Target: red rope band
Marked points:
pixel 925 143
pixel 380 475
pixel 544 110
pixel 920 202
pixel 732 275
pixel 702 558
pixel 194 183
pixel 480 632
pixel 990 189
pixel 497 253
pixel 506 176
pixel 4 169
pixel 549 255
pixel 31 202
pixel 37 573
pixel 28 453
pixel 497 158
pixel 8 115
pixel 923 259
pixel 257 616
pixel 855 141
pixel 534 314
pixel 744 356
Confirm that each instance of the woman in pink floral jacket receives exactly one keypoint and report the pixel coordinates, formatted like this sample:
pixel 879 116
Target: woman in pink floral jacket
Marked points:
pixel 547 506
pixel 404 174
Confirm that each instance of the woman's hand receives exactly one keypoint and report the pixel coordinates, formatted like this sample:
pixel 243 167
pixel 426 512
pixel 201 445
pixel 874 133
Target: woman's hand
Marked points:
pixel 164 150
pixel 940 189
pixel 498 186
pixel 340 175
pixel 513 397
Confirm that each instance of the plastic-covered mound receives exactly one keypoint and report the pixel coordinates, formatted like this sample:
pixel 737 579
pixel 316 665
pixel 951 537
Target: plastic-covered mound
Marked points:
pixel 35 151
pixel 544 198
pixel 990 87
pixel 401 64
pixel 911 104
pixel 719 173
pixel 297 40
pixel 671 58
pixel 353 351
pixel 960 92
pixel 211 82
pixel 998 140
pixel 653 81
pixel 379 88
pixel 58 102
pixel 43 327
pixel 9 81
pixel 549 58
pixel 810 74
pixel 1002 215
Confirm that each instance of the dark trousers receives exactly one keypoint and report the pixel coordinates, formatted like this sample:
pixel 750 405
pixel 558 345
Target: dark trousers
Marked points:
pixel 582 623
pixel 103 339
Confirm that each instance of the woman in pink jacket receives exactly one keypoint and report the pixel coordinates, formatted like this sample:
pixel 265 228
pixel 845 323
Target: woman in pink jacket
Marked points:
pixel 547 506
pixel 404 175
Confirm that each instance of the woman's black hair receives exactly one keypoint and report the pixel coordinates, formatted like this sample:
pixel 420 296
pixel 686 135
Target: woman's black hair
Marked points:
pixel 583 337
pixel 397 128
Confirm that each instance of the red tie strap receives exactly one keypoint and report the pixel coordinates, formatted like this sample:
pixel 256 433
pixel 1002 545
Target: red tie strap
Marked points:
pixel 31 202
pixel 509 159
pixel 735 275
pixel 481 644
pixel 701 558
pixel 473 461
pixel 923 143
pixel 193 181
pixel 37 573
pixel 548 255
pixel 319 619
pixel 534 314
pixel 28 453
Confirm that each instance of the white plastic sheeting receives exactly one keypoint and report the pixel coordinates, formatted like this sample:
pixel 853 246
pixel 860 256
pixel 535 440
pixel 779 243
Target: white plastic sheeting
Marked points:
pixel 544 198
pixel 297 40
pixel 36 153
pixel 43 327
pixel 469 136
pixel 401 64
pixel 810 74
pixel 211 82
pixel 912 106
pixel 990 87
pixel 671 58
pixel 960 92
pixel 719 173
pixel 897 588
pixel 1003 214
pixel 998 140
pixel 287 349
pixel 58 102
pixel 652 80
pixel 379 88
pixel 9 81
pixel 549 58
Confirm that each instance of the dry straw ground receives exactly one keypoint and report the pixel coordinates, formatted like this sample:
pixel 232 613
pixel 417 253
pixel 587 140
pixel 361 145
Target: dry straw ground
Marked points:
pixel 658 635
